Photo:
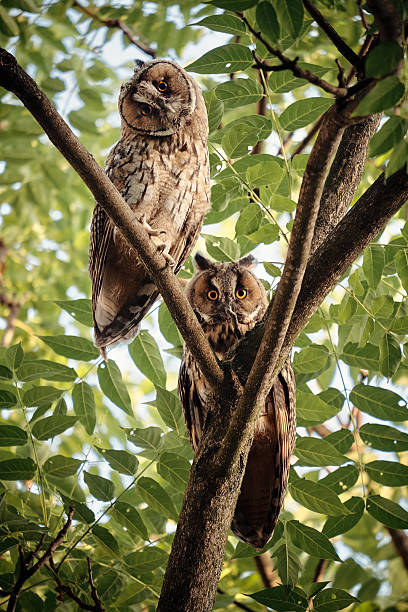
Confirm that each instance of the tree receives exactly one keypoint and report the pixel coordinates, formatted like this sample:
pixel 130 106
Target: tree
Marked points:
pixel 81 441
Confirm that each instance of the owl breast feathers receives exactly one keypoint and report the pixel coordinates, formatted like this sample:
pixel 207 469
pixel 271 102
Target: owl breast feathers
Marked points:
pixel 160 166
pixel 228 301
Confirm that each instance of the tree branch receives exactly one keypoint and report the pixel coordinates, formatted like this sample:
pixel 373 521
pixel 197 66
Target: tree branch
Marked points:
pixel 331 33
pixel 115 23
pixel 400 541
pixel 15 79
pixel 387 19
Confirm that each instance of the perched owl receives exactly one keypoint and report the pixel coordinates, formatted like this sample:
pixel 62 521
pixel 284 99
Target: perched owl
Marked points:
pixel 160 166
pixel 228 301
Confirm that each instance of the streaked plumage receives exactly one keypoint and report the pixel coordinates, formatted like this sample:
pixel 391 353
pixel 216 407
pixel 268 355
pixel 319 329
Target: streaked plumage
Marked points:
pixel 160 166
pixel 228 301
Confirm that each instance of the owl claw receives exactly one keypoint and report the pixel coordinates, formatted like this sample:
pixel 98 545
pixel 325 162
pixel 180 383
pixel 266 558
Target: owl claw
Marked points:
pixel 169 259
pixel 148 227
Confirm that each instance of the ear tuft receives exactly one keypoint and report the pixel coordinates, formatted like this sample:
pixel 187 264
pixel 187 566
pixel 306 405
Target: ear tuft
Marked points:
pixel 202 263
pixel 138 63
pixel 248 261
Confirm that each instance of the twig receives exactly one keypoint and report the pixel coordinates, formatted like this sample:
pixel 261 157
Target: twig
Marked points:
pixel 15 79
pixel 400 541
pixel 94 592
pixel 27 572
pixel 266 570
pixel 331 33
pixel 116 23
pixel 288 64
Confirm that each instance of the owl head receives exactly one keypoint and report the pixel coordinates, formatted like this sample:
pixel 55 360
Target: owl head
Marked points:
pixel 227 292
pixel 160 99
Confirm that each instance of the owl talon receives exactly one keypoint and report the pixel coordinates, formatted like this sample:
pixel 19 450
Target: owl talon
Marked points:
pixel 169 259
pixel 149 229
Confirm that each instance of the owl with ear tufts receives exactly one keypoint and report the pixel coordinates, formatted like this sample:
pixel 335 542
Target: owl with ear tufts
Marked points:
pixel 160 167
pixel 228 300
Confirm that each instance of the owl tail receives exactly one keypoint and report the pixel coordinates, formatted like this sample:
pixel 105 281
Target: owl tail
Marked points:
pixel 266 475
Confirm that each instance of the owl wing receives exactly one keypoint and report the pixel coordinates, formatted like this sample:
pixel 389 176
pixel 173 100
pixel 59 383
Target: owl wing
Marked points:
pixel 100 242
pixel 192 392
pixel 267 470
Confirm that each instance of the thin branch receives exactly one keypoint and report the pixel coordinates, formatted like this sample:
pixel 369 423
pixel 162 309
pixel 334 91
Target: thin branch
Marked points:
pixel 15 79
pixel 400 541
pixel 331 33
pixel 115 23
pixel 98 604
pixel 27 572
pixel 266 570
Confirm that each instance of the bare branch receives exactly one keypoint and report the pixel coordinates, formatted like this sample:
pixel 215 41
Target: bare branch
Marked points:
pixel 387 19
pixel 400 541
pixel 331 33
pixel 115 23
pixel 94 592
pixel 15 79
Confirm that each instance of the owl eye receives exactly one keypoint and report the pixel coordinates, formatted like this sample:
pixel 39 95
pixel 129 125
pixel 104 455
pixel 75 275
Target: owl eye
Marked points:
pixel 162 86
pixel 241 293
pixel 212 295
pixel 146 110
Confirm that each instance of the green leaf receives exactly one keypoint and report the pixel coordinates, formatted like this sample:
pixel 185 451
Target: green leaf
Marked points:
pixel 101 488
pixel 237 143
pixel 380 403
pixel 5 373
pixel 386 93
pixel 80 310
pixel 264 173
pixel 249 220
pixel 17 469
pixel 84 406
pixel 169 408
pixel 15 356
pixel 41 396
pixel 11 435
pixel 387 512
pixel 398 158
pixel 341 439
pixel 384 438
pixel 373 264
pixel 167 326
pixel 342 479
pixel 311 541
pixel 120 460
pixel 224 59
pixel 267 21
pixel 383 59
pixel 59 466
pixel 146 356
pixel 8 26
pixel 73 347
pixel 282 598
pixel 401 263
pixel 148 559
pixel 223 23
pixel 221 249
pixel 341 524
pixel 7 399
pixel 317 452
pixel 106 538
pixel 239 92
pixel 330 600
pixel 52 426
pixel 390 355
pixel 148 438
pixel 48 370
pixel 290 15
pixel 283 81
pixel 112 385
pixel 287 564
pixel 388 136
pixel 311 359
pixel 367 356
pixel 156 498
pixel 130 518
pixel 312 410
pixel 215 109
pixel 301 113
pixel 267 233
pixel 175 469
pixel 388 473
pixel 233 5
pixel 317 497
pixel 399 326
pixel 81 510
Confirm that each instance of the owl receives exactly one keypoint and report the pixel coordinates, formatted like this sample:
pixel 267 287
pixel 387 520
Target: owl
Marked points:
pixel 160 167
pixel 228 300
